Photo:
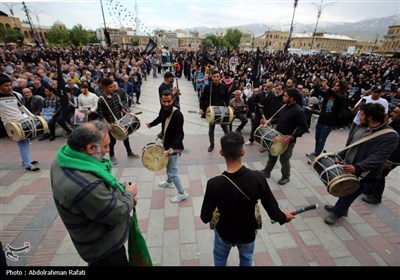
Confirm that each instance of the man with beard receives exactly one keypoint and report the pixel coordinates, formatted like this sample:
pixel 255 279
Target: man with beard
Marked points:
pixel 93 205
pixel 171 120
pixel 168 84
pixel 366 159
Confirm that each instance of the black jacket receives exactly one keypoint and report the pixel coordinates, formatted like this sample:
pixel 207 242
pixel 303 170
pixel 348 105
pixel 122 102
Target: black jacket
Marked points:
pixel 372 154
pixel 219 96
pixel 237 223
pixel 174 134
pixel 292 121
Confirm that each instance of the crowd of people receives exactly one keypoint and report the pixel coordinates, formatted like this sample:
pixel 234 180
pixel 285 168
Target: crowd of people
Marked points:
pixel 271 89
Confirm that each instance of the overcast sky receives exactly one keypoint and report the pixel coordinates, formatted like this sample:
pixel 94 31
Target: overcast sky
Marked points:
pixel 175 14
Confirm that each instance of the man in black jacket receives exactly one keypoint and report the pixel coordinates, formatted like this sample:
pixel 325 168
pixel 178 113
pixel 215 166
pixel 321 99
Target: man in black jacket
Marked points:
pixel 375 191
pixel 366 159
pixel 171 120
pixel 237 224
pixel 291 124
pixel 219 97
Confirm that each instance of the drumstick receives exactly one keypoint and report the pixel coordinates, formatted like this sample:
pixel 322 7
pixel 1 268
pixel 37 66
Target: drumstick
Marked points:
pixel 138 113
pixel 301 210
pixel 192 111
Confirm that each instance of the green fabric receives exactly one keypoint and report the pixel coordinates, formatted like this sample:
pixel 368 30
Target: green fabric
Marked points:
pixel 69 158
pixel 137 248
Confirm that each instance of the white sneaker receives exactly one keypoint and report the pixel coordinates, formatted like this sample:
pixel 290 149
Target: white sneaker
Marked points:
pixel 179 197
pixel 166 185
pixel 248 143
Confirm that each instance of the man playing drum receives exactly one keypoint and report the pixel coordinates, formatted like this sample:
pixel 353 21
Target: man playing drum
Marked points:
pixel 113 103
pixel 291 124
pixel 10 111
pixel 214 94
pixel 171 120
pixel 366 159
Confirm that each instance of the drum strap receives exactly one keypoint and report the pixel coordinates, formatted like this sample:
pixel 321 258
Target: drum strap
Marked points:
pixel 366 138
pixel 236 186
pixel 109 108
pixel 167 123
pixel 23 106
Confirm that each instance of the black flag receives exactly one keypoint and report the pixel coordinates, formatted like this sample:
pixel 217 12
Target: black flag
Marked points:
pixel 61 89
pixel 151 45
pixel 256 69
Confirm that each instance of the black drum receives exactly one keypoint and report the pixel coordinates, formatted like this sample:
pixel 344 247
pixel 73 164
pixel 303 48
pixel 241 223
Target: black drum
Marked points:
pixel 28 128
pixel 219 115
pixel 339 183
pixel 125 126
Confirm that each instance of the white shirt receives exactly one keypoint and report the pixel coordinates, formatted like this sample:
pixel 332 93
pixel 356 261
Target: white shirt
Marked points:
pixel 9 110
pixel 88 101
pixel 369 99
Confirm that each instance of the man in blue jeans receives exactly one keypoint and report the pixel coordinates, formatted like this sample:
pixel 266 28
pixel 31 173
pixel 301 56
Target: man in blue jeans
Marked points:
pixel 11 110
pixel 365 160
pixel 171 120
pixel 237 225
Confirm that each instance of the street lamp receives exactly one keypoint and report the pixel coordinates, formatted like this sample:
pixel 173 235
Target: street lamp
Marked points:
pixel 320 8
pixel 291 28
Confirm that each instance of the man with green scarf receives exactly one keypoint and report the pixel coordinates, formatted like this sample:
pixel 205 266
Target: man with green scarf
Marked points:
pixel 94 207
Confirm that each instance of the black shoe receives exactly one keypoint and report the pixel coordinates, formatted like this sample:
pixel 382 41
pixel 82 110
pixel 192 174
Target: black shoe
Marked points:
pixel 239 131
pixel 329 207
pixel 370 199
pixel 211 148
pixel 43 137
pixel 33 162
pixel 133 155
pixel 283 181
pixel 331 219
pixel 32 169
pixel 51 138
pixel 265 173
pixel 137 102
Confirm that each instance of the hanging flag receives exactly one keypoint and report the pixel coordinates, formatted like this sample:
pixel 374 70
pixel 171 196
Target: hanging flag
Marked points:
pixel 256 71
pixel 151 45
pixel 61 89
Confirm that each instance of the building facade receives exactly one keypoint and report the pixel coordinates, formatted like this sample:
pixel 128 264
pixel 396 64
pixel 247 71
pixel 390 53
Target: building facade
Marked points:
pixel 391 43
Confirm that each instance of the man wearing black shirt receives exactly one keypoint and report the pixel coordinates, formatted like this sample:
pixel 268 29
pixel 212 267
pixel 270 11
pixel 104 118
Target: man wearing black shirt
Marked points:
pixel 168 84
pixel 237 224
pixel 214 94
pixel 292 123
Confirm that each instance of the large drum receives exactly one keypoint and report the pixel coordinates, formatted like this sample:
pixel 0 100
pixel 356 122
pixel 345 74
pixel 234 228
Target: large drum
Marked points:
pixel 153 157
pixel 338 182
pixel 265 137
pixel 125 126
pixel 28 128
pixel 219 115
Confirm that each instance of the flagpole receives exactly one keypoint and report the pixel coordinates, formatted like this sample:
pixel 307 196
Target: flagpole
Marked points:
pixel 106 34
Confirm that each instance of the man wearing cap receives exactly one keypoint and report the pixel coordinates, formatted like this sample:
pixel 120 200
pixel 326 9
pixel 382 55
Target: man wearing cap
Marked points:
pixel 374 97
pixel 167 84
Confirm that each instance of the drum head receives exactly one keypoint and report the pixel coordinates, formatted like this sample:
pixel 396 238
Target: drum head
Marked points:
pixel 343 185
pixel 14 131
pixel 278 147
pixel 153 157
pixel 44 124
pixel 210 114
pixel 119 132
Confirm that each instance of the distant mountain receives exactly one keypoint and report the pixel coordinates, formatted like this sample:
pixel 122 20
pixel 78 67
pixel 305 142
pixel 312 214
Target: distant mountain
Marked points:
pixel 364 30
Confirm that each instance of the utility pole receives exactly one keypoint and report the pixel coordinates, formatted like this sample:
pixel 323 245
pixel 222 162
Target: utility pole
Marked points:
pixel 373 47
pixel 291 28
pixel 320 8
pixel 33 33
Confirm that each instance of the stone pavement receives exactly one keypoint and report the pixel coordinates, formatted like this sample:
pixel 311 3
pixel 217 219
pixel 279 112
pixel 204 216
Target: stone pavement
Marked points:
pixel 175 235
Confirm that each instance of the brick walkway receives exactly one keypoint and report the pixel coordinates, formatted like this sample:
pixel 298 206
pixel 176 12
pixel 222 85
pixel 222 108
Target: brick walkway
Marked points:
pixel 175 235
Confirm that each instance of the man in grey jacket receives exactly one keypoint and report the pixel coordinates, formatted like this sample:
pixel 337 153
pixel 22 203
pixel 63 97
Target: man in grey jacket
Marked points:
pixel 94 207
pixel 366 158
